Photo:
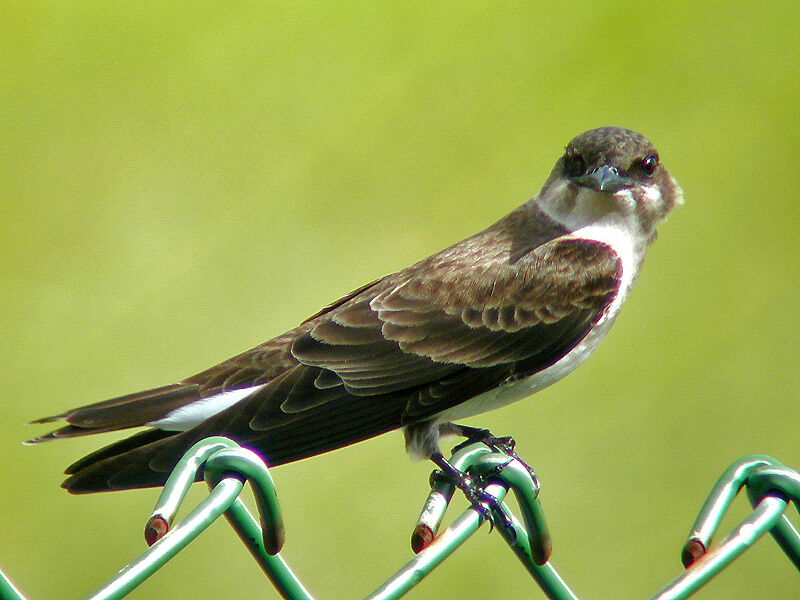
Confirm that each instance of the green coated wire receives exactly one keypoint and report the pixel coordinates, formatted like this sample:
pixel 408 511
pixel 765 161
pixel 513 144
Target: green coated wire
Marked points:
pixel 8 591
pixel 173 542
pixel 227 467
pixel 767 513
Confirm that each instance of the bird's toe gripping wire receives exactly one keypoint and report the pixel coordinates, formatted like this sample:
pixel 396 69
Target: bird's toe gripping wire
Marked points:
pixel 476 469
pixel 477 435
pixel 489 507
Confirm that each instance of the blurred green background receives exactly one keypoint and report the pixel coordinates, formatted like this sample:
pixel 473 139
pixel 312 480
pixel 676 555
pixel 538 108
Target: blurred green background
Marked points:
pixel 181 181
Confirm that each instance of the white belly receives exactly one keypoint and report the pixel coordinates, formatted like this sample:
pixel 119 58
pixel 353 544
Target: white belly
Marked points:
pixel 522 388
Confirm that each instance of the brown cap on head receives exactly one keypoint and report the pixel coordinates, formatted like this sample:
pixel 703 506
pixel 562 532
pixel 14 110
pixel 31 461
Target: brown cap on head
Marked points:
pixel 612 159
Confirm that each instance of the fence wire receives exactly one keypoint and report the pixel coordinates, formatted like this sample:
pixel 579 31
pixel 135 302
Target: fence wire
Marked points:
pixel 227 467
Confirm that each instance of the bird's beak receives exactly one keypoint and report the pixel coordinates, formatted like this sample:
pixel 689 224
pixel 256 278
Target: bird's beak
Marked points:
pixel 605 179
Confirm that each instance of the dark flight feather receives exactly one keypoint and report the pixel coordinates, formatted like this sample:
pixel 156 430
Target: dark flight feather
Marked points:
pixel 396 351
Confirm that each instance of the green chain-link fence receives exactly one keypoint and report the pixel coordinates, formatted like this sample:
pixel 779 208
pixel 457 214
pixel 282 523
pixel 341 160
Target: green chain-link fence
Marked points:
pixel 226 468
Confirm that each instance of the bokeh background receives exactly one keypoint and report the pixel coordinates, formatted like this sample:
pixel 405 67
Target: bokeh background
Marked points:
pixel 181 181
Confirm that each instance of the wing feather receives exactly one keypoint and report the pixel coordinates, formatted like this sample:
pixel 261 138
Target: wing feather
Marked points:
pixel 394 352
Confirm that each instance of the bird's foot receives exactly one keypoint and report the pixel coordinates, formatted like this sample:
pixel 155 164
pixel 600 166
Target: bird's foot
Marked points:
pixel 476 435
pixel 489 507
pixel 504 445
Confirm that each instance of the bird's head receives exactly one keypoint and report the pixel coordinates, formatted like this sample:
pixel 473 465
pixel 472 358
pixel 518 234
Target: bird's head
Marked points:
pixel 610 175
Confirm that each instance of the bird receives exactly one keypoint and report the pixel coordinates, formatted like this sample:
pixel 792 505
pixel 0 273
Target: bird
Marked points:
pixel 483 323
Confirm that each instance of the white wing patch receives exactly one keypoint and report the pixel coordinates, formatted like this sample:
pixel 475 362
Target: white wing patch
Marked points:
pixel 188 416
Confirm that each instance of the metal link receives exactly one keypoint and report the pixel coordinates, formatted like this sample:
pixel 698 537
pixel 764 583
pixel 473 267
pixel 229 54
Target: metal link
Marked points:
pixel 227 467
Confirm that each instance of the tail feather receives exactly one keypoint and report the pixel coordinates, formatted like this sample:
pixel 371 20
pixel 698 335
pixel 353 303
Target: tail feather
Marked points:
pixel 124 412
pixel 147 459
pixel 157 393
pixel 112 450
pixel 123 467
pixel 67 432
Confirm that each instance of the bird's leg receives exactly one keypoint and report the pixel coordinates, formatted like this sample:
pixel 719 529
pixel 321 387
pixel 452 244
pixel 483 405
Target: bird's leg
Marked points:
pixel 473 435
pixel 482 501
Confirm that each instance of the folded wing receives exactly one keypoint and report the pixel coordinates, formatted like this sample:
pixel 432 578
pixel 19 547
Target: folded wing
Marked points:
pixel 397 351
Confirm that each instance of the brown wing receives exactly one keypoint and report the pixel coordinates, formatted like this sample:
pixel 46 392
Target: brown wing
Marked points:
pixel 438 341
pixel 410 346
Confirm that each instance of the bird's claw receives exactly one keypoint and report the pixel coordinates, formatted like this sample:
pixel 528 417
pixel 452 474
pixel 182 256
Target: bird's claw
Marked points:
pixel 484 503
pixel 504 445
pixel 491 509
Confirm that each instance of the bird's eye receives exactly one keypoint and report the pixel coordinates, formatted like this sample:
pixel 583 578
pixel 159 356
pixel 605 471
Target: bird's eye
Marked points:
pixel 574 165
pixel 649 164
